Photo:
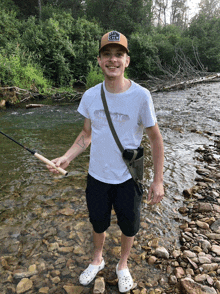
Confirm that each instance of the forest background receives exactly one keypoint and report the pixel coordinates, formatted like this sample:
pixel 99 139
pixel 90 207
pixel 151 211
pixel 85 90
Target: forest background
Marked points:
pixel 47 44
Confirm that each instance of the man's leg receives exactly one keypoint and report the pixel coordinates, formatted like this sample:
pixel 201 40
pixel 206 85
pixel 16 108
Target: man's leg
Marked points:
pixel 126 245
pixel 98 240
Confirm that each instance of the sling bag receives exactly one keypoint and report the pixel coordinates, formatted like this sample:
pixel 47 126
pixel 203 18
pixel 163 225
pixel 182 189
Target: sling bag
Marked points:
pixel 133 158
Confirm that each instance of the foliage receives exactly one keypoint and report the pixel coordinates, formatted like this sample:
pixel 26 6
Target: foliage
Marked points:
pixel 144 56
pixel 85 38
pixel 205 34
pixel 64 46
pixel 94 77
pixel 9 25
pixel 14 72
pixel 61 43
pixel 124 16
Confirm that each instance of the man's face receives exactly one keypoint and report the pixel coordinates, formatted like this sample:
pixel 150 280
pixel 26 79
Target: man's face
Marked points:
pixel 113 60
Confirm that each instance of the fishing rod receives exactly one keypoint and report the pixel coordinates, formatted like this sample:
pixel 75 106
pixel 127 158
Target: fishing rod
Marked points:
pixel 39 156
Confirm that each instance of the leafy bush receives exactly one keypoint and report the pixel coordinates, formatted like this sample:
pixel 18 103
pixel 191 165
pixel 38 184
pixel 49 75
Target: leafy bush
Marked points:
pixel 205 34
pixel 63 46
pixel 85 38
pixel 50 43
pixel 13 72
pixel 9 25
pixel 144 54
pixel 94 77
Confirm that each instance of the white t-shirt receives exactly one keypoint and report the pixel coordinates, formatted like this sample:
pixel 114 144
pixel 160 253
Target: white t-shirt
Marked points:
pixel 131 112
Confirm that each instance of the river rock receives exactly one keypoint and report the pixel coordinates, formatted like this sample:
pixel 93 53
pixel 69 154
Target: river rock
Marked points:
pixel 25 274
pixel 65 249
pixel 216 249
pixel 216 208
pixel 24 285
pixel 67 211
pixel 202 225
pixel 216 226
pixel 52 246
pixel 151 260
pixel 188 253
pixel 162 252
pixel 179 272
pixel 213 236
pixel 99 287
pixel 210 267
pixel 71 289
pixel 204 207
pixel 44 290
pixel 204 259
pixel 192 287
pixel 201 277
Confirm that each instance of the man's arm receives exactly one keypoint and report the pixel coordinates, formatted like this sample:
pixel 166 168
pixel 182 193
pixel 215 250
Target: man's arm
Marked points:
pixel 81 143
pixel 156 191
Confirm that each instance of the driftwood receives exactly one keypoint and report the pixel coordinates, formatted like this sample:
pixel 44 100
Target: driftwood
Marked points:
pixel 34 105
pixel 183 84
pixel 14 95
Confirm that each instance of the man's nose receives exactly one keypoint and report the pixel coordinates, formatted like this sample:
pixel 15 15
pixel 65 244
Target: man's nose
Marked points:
pixel 113 57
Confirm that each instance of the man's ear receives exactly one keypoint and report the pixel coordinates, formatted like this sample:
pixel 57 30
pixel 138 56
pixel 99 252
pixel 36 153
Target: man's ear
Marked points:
pixel 128 59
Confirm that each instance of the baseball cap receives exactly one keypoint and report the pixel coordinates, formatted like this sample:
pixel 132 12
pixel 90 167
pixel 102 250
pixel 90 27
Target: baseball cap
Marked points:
pixel 114 37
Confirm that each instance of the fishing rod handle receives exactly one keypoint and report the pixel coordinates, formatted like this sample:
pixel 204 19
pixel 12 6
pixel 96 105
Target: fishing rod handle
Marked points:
pixel 47 161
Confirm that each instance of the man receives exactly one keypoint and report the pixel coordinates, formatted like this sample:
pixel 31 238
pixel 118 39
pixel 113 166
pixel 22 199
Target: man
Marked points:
pixel 109 180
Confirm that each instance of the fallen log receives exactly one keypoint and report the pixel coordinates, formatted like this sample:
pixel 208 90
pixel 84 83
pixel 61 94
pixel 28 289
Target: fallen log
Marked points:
pixel 184 84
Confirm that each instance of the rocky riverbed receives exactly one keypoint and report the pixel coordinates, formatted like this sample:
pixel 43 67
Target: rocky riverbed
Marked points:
pixel 48 254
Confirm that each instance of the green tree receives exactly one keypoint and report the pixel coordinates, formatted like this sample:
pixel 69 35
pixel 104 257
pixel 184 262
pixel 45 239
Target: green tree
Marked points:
pixel 9 27
pixel 123 15
pixel 205 35
pixel 50 44
pixel 179 13
pixel 160 11
pixel 209 8
pixel 64 47
pixel 144 55
pixel 75 6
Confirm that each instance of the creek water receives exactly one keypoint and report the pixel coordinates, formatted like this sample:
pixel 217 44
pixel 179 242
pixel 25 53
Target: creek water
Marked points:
pixel 187 118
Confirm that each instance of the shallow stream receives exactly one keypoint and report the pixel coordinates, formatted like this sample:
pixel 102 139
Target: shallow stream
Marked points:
pixel 28 192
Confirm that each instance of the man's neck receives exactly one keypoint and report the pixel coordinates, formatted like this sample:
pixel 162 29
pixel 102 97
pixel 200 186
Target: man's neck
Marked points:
pixel 117 86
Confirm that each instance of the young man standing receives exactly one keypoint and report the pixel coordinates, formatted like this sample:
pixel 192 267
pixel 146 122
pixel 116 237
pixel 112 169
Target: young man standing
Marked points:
pixel 109 180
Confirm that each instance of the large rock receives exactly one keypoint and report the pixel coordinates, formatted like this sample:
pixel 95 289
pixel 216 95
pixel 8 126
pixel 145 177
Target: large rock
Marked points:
pixel 162 252
pixel 71 289
pixel 192 287
pixel 24 285
pixel 99 287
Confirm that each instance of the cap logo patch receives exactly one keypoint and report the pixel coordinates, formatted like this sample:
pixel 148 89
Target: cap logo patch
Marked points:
pixel 114 36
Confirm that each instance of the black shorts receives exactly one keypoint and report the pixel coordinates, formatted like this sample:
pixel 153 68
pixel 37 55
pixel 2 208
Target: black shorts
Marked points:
pixel 125 198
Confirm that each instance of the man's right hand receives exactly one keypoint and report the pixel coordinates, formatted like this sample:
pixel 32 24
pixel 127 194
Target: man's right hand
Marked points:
pixel 59 162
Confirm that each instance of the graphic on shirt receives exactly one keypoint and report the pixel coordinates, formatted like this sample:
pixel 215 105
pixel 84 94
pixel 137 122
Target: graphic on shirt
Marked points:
pixel 116 117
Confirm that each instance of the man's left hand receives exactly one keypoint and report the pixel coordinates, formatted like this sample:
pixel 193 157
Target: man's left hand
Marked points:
pixel 156 193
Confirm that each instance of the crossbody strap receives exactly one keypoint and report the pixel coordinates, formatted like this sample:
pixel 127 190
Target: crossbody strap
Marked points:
pixel 116 136
pixel 110 121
